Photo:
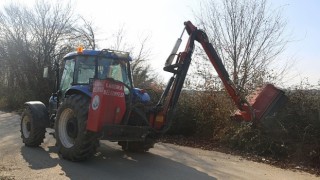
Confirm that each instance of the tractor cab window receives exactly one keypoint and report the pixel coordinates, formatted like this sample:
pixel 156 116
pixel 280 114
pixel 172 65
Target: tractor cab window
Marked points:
pixel 67 76
pixel 115 69
pixel 85 69
pixel 81 69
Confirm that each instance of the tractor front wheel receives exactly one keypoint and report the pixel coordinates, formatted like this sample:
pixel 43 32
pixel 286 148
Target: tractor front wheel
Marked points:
pixel 73 140
pixel 32 133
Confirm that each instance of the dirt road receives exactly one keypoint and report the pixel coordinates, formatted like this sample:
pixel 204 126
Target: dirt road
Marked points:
pixel 165 161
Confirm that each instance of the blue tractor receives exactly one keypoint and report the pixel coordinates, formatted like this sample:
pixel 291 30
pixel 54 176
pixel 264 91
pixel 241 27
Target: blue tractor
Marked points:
pixel 95 100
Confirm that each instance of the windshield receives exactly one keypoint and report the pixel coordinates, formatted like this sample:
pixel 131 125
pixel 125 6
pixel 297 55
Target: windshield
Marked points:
pixel 107 68
pixel 115 69
pixel 80 69
pixel 85 68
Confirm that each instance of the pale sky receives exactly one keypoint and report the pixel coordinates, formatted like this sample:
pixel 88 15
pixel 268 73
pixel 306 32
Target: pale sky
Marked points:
pixel 163 21
pixel 304 26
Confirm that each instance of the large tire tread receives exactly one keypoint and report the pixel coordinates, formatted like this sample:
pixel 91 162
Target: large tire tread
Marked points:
pixel 36 135
pixel 84 146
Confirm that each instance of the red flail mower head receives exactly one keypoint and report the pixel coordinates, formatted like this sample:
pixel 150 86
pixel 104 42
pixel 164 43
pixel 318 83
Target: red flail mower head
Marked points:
pixel 263 102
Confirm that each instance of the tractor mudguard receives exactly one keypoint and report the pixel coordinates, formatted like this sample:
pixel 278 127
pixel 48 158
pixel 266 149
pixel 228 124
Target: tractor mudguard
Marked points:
pixel 39 113
pixel 84 89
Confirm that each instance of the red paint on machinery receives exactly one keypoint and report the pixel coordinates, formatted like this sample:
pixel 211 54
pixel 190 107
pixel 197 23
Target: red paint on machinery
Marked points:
pixel 107 105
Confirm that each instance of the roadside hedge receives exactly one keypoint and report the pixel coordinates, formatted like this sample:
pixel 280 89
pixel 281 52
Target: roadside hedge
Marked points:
pixel 292 134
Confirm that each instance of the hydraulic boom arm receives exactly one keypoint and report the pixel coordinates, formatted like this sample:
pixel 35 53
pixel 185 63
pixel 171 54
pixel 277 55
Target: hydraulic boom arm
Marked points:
pixel 267 101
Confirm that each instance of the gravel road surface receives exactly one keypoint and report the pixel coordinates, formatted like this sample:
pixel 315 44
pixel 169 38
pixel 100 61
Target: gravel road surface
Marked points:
pixel 164 162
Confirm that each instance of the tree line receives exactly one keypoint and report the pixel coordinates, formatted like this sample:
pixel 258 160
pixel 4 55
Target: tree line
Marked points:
pixel 37 37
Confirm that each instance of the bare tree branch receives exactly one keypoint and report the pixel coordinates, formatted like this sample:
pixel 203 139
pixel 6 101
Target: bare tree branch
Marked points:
pixel 247 35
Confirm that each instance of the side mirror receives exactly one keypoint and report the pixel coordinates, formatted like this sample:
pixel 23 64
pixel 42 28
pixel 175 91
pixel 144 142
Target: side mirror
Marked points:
pixel 45 72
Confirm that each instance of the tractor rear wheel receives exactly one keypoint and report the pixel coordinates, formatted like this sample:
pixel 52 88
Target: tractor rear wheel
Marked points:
pixel 32 134
pixel 73 140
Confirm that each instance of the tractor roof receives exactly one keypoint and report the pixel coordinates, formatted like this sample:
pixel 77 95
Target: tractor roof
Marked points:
pixel 103 53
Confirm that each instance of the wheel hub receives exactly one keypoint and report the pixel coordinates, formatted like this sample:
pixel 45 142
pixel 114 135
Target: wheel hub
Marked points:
pixel 26 127
pixel 67 128
pixel 72 128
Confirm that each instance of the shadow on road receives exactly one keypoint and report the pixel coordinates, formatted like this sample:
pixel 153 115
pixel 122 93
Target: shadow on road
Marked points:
pixel 112 163
pixel 109 163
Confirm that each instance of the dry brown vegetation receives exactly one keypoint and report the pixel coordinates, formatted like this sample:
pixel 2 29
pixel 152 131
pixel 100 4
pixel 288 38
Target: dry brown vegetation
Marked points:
pixel 289 139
